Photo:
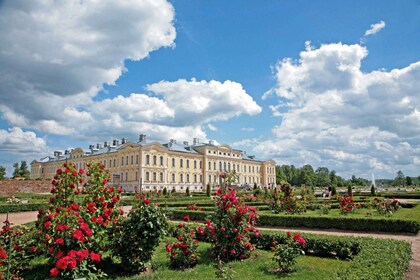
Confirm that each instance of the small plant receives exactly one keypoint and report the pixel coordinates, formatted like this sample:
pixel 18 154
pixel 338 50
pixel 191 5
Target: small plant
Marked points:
pixel 349 191
pixel 286 201
pixel 326 208
pixel 285 254
pixel 138 236
pixel 333 190
pixel 187 191
pixel 224 271
pixel 183 253
pixel 208 189
pixel 165 191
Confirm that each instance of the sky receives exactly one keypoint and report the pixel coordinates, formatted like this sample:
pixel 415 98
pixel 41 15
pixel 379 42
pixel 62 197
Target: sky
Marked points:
pixel 326 83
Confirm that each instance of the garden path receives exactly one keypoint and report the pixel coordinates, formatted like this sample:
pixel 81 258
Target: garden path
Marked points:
pixel 412 274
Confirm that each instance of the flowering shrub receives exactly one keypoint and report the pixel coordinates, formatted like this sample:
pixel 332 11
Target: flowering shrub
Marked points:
pixel 285 254
pixel 75 234
pixel 193 207
pixel 183 253
pixel 346 204
pixel 386 207
pixel 137 236
pixel 17 246
pixel 231 224
pixel 286 201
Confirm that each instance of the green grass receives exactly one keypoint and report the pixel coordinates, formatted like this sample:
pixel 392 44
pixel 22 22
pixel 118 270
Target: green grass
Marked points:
pixel 258 266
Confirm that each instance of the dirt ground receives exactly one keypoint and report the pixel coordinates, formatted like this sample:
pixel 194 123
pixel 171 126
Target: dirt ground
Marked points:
pixel 412 274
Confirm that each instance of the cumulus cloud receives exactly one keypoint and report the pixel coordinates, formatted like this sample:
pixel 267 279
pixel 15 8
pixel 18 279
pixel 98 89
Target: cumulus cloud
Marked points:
pixel 17 141
pixel 334 114
pixel 57 55
pixel 375 28
pixel 204 101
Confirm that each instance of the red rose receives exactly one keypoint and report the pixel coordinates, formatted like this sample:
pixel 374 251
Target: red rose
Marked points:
pixel 81 255
pixel 62 263
pixel 168 247
pixel 78 234
pixel 74 173
pixel 146 201
pixel 59 241
pixel 104 181
pixel 3 254
pixel 54 272
pixel 47 224
pixel 72 264
pixel 289 234
pixel 67 170
pixel 186 218
pixel 95 257
pixel 81 171
pixel 59 171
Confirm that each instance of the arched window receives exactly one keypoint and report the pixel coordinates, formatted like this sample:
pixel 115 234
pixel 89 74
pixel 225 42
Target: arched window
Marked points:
pixel 161 160
pixel 154 160
pixel 173 162
pixel 173 177
pixel 161 177
pixel 188 163
pixel 147 159
pixel 209 165
pixel 195 164
pixel 181 163
pixel 188 178
pixel 195 178
pixel 147 177
pixel 154 176
pixel 181 177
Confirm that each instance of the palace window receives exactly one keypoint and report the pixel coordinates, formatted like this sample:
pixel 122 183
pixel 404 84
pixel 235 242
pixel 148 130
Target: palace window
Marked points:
pixel 147 159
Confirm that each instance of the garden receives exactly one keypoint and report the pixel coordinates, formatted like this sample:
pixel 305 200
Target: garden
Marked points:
pixel 83 233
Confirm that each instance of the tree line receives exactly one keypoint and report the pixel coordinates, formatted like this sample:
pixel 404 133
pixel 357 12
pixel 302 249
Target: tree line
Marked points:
pixel 323 177
pixel 20 171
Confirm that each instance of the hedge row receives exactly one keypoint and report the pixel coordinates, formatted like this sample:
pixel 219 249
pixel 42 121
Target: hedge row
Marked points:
pixel 22 207
pixel 346 223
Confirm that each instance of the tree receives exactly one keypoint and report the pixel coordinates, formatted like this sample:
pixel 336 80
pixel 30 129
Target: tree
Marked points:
pixel 322 177
pixel 22 171
pixel 208 189
pixel 372 190
pixel 16 171
pixel 400 179
pixel 408 180
pixel 187 191
pixel 350 190
pixel 2 172
pixel 306 175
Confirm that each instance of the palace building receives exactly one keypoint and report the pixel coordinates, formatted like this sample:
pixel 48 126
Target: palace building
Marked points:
pixel 149 165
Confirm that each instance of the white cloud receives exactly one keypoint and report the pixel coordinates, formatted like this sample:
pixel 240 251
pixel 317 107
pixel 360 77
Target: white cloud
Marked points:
pixel 247 129
pixel 204 101
pixel 57 55
pixel 17 141
pixel 335 115
pixel 212 127
pixel 375 28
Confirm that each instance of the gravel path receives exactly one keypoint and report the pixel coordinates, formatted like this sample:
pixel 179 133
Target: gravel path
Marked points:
pixel 412 274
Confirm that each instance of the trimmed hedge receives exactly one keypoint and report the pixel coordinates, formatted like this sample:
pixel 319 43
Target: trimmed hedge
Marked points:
pixel 348 223
pixel 22 207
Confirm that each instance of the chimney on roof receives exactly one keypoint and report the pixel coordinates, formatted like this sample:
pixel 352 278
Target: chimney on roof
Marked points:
pixel 211 142
pixel 185 143
pixel 57 153
pixel 66 152
pixel 91 147
pixel 105 144
pixel 114 142
pixel 98 146
pixel 172 141
pixel 142 137
pixel 123 141
pixel 196 141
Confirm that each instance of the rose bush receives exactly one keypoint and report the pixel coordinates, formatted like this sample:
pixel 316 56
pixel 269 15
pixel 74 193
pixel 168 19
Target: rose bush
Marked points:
pixel 183 253
pixel 285 254
pixel 346 204
pixel 286 201
pixel 75 231
pixel 232 223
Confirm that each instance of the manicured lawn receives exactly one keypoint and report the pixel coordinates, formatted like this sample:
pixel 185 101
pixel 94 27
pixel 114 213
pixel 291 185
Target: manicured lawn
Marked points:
pixel 259 266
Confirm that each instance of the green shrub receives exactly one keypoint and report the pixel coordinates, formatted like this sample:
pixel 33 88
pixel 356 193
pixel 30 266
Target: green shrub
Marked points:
pixel 208 189
pixel 348 223
pixel 137 236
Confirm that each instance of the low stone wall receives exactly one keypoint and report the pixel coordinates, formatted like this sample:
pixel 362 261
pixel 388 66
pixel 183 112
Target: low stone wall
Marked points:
pixel 13 187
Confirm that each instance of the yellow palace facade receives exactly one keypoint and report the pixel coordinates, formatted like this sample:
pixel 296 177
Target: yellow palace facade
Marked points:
pixel 148 165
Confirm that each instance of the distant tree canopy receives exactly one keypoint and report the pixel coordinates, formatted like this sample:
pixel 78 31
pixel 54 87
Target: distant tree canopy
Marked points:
pixel 322 177
pixel 22 171
pixel 306 175
pixel 2 172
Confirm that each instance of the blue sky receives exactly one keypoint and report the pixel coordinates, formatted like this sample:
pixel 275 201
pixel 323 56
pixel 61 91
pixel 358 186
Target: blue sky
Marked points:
pixel 329 83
